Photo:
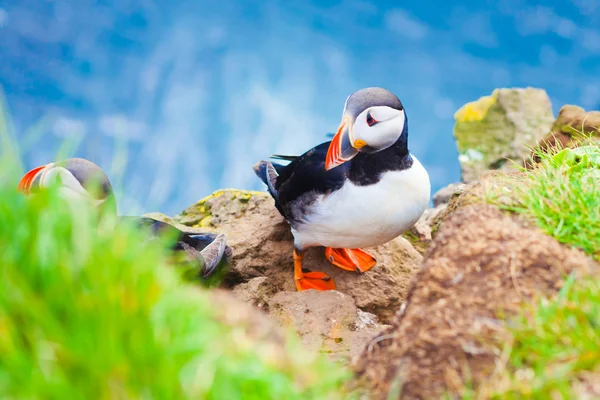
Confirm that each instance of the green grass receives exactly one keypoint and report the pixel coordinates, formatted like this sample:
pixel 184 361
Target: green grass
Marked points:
pixel 92 311
pixel 562 197
pixel 555 344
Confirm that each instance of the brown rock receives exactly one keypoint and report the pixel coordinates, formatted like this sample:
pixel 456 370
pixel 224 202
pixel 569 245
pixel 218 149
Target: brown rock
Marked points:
pixel 257 291
pixel 445 194
pixel 588 385
pixel 257 332
pixel 570 129
pixel 327 321
pixel 480 269
pixel 421 233
pixel 493 186
pixel 252 321
pixel 262 244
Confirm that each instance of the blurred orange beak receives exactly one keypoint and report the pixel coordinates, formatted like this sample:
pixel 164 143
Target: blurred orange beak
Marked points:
pixel 341 149
pixel 26 181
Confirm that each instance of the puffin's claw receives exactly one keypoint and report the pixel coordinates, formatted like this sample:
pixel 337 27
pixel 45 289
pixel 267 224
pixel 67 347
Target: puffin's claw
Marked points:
pixel 350 259
pixel 310 280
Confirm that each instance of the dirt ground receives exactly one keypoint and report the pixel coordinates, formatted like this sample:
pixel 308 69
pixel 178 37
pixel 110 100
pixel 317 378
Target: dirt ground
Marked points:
pixel 481 267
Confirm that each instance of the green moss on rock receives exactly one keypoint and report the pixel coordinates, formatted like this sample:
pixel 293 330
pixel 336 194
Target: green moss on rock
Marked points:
pixel 230 202
pixel 504 126
pixel 417 242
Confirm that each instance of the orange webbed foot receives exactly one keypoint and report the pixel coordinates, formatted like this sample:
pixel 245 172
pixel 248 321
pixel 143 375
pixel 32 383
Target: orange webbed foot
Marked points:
pixel 310 280
pixel 350 259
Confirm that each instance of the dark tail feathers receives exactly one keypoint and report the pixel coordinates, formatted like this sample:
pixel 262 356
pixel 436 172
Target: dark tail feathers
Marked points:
pixel 260 169
pixel 284 157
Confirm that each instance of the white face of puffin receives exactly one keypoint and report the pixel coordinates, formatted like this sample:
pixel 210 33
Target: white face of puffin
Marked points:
pixel 373 120
pixel 69 186
pixel 377 128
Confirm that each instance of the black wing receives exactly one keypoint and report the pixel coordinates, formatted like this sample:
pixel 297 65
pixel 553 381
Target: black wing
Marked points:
pixel 306 176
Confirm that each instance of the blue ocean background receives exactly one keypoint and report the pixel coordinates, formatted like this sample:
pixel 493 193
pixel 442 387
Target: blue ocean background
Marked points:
pixel 175 99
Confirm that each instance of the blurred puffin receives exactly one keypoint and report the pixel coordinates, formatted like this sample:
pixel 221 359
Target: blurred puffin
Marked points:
pixel 361 189
pixel 78 178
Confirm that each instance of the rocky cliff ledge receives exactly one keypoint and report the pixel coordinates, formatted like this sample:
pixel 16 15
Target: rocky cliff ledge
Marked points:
pixel 431 318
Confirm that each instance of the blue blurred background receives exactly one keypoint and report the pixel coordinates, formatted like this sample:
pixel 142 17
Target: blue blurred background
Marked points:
pixel 175 99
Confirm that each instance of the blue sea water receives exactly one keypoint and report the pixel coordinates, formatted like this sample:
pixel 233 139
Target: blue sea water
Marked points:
pixel 175 99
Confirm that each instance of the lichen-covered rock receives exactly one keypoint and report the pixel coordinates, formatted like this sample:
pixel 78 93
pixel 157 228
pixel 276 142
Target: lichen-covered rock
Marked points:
pixel 481 268
pixel 326 321
pixel 171 221
pixel 500 127
pixel 572 126
pixel 263 247
pixel 228 204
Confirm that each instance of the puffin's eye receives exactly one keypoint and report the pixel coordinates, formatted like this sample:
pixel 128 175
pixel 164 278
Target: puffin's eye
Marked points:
pixel 370 120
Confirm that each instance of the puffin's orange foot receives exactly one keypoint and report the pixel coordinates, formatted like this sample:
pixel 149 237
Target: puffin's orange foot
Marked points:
pixel 350 259
pixel 314 280
pixel 310 280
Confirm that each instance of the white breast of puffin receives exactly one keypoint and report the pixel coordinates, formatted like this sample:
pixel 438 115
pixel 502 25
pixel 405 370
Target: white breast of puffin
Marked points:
pixel 365 216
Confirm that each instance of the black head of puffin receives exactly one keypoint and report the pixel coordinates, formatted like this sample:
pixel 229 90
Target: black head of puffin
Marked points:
pixel 76 177
pixel 373 120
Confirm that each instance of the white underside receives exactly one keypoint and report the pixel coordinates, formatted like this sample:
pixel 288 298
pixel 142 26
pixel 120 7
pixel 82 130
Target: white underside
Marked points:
pixel 365 216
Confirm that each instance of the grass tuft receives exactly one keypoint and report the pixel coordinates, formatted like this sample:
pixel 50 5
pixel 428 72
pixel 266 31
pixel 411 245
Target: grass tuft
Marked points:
pixel 562 196
pixel 554 345
pixel 93 310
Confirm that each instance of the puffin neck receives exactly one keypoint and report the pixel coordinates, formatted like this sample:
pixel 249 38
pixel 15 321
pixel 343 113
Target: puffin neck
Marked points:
pixel 366 168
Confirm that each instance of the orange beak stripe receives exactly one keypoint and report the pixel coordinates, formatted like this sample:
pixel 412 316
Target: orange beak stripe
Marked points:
pixel 334 151
pixel 25 183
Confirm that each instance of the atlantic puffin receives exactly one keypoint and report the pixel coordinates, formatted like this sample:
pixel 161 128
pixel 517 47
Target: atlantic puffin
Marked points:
pixel 78 178
pixel 361 189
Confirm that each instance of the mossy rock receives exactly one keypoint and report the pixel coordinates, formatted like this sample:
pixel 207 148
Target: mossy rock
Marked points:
pixel 501 127
pixel 230 203
pixel 418 242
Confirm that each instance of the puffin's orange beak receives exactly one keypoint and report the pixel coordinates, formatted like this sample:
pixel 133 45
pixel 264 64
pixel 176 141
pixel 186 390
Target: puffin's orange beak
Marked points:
pixel 27 179
pixel 341 149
